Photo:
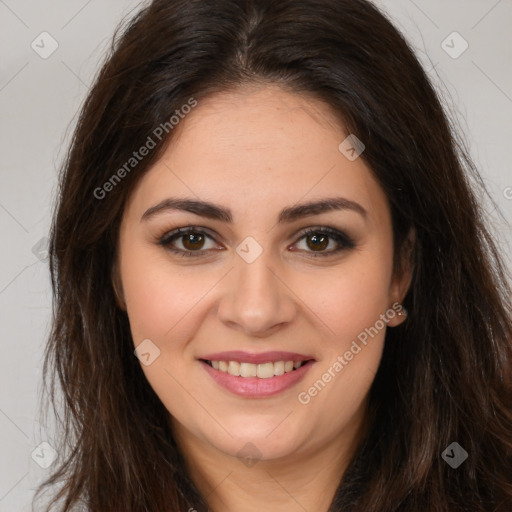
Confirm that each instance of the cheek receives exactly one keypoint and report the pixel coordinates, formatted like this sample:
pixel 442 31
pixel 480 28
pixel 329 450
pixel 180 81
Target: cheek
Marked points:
pixel 330 398
pixel 350 305
pixel 162 305
pixel 158 296
pixel 349 298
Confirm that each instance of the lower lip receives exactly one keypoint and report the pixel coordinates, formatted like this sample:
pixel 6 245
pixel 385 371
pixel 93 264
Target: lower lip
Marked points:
pixel 254 387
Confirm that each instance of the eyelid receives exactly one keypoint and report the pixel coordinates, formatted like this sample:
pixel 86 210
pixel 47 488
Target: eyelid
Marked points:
pixel 167 237
pixel 340 237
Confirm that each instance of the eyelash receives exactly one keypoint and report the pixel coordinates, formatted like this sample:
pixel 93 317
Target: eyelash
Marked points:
pixel 343 240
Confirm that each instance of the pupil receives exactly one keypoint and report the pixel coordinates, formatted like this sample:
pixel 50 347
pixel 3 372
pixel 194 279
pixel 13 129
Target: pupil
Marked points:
pixel 194 239
pixel 319 241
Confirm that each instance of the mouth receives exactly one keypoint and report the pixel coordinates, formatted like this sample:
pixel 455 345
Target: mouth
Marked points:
pixel 265 370
pixel 256 375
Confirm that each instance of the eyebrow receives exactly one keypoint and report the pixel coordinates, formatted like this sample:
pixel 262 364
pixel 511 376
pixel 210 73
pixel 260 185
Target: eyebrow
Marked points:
pixel 287 215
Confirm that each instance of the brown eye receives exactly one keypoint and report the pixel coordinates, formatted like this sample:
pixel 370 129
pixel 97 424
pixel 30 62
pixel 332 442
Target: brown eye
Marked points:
pixel 188 241
pixel 192 241
pixel 317 241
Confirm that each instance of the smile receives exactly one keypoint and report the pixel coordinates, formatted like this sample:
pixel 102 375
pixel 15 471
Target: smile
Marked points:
pixel 256 375
pixel 261 371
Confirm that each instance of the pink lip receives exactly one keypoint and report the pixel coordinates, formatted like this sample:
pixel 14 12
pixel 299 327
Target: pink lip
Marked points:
pixel 248 357
pixel 254 387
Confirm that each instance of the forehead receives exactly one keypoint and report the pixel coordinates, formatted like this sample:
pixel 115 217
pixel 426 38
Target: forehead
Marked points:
pixel 258 120
pixel 257 147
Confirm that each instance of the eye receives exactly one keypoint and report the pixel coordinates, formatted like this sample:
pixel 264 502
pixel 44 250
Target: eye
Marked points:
pixel 318 239
pixel 192 239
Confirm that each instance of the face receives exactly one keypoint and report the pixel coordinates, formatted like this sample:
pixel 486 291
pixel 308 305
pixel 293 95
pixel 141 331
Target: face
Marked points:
pixel 223 270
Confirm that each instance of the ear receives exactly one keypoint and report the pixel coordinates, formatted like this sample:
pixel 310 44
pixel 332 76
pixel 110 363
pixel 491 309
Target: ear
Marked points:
pixel 402 278
pixel 115 277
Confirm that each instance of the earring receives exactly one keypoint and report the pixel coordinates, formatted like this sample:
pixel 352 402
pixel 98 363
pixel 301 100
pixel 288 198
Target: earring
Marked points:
pixel 402 312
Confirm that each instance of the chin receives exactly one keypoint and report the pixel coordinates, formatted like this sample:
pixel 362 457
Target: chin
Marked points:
pixel 265 439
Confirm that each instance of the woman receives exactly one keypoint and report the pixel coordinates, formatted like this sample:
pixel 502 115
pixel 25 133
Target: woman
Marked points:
pixel 274 286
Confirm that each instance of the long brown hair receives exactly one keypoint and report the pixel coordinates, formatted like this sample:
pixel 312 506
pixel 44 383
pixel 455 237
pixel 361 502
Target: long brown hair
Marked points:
pixel 445 374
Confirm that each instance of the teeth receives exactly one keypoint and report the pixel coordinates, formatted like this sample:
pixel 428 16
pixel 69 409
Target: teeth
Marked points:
pixel 279 368
pixel 262 371
pixel 265 370
pixel 248 370
pixel 234 368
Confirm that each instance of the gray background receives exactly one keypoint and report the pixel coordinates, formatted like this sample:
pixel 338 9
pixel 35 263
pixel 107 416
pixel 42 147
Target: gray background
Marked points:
pixel 39 100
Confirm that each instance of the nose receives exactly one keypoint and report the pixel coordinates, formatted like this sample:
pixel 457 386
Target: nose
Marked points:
pixel 256 299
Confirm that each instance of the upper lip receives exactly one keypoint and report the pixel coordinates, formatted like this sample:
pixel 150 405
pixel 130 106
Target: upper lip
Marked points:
pixel 255 358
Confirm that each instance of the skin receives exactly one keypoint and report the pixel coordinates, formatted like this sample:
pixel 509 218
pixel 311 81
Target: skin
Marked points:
pixel 257 150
